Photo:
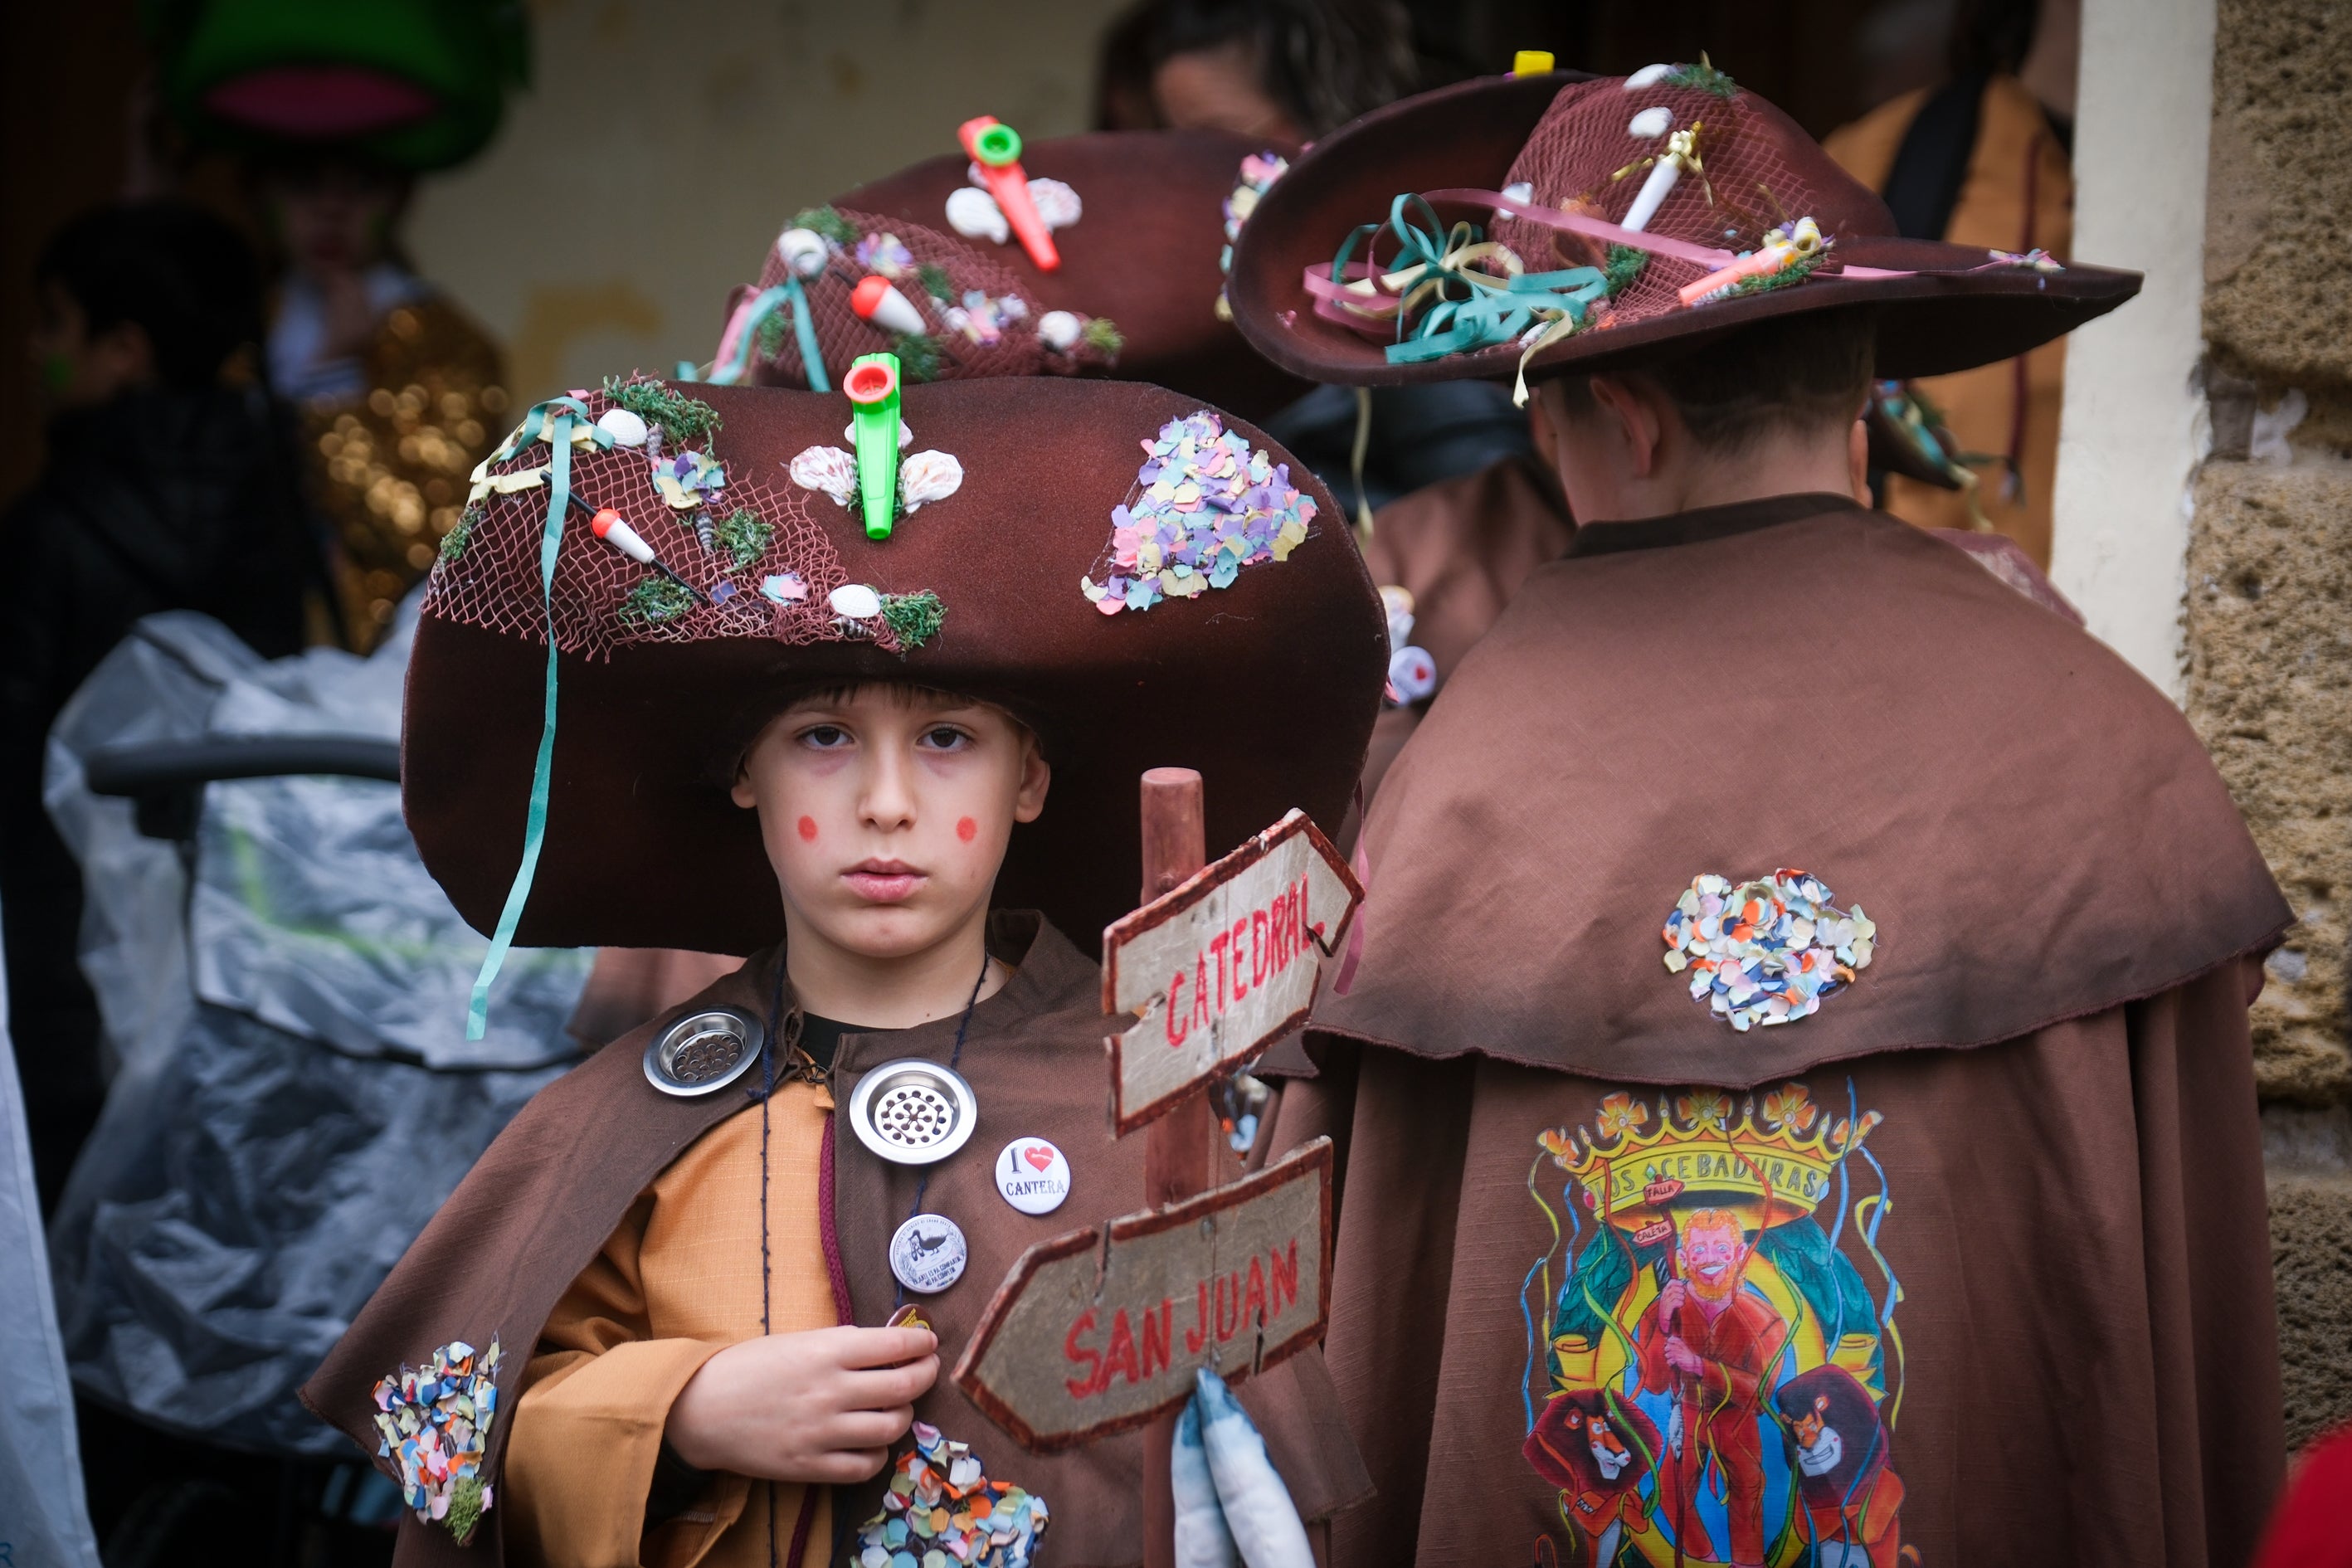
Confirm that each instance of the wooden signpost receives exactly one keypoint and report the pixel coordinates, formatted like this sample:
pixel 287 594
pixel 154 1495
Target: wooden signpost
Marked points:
pixel 1221 966
pixel 1100 1331
pixel 1084 1339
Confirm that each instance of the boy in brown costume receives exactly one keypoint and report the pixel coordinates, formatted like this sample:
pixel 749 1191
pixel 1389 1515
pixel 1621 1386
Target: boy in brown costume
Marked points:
pixel 1692 1213
pixel 651 1325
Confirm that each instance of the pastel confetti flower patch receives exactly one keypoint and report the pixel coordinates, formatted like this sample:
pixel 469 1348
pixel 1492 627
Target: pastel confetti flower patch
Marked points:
pixel 436 1422
pixel 942 1507
pixel 886 254
pixel 688 479
pixel 1767 952
pixel 1204 506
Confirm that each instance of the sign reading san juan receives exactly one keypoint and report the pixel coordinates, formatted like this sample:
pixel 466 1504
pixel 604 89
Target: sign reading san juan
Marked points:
pixel 1084 1339
pixel 1223 965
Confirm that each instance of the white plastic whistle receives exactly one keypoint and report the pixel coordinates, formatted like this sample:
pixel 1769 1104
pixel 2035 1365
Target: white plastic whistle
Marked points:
pixel 608 527
pixel 876 301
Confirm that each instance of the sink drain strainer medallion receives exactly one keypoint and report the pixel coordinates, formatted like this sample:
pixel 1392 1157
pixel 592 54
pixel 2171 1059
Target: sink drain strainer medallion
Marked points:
pixel 913 1112
pixel 704 1052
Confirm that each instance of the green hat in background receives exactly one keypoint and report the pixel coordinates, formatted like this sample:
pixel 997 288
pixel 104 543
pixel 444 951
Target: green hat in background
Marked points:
pixel 414 84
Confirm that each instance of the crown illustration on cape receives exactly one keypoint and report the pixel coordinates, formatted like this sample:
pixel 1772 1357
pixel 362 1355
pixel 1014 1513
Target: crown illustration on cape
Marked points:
pixel 1702 1148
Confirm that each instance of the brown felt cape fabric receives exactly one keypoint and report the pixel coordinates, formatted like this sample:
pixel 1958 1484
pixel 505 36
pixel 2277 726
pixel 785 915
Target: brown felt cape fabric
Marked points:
pixel 1462 547
pixel 2034 827
pixel 541 1201
pixel 2090 1370
pixel 2074 1207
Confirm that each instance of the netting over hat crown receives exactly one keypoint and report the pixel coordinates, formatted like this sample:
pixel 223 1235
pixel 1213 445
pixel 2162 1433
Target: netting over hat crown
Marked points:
pixel 1757 170
pixel 936 274
pixel 489 574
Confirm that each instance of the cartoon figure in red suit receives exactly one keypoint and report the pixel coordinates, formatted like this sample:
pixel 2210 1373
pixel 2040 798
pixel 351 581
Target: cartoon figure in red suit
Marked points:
pixel 1850 1493
pixel 1597 1453
pixel 1712 1343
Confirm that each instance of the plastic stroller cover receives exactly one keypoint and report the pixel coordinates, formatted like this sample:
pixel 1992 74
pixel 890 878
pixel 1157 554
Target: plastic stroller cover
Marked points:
pixel 294 1094
pixel 44 1522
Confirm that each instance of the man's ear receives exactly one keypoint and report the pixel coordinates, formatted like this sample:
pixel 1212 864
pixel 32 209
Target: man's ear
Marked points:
pixel 1638 412
pixel 1036 777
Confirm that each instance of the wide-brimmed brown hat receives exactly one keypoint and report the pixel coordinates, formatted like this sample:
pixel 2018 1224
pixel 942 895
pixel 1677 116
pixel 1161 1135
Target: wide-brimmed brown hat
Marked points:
pixel 1134 294
pixel 1552 166
pixel 1016 571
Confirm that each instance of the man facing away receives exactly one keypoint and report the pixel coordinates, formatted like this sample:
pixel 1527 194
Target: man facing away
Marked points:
pixel 1796 1084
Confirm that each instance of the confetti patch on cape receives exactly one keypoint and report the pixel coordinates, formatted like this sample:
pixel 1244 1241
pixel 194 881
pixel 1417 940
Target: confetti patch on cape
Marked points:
pixel 1204 506
pixel 1766 951
pixel 436 1422
pixel 941 1508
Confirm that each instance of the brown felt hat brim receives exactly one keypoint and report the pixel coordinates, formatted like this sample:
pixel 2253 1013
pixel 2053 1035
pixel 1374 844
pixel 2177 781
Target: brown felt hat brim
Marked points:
pixel 1269 687
pixel 1146 254
pixel 1947 317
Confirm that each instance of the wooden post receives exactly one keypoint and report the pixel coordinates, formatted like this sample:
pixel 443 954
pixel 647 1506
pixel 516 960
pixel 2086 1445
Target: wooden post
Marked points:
pixel 1180 1148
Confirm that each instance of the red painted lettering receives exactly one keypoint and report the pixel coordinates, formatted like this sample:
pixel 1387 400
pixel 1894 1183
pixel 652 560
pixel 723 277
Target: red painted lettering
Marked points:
pixel 1283 1285
pixel 1201 990
pixel 1217 946
pixel 1118 1356
pixel 1079 1355
pixel 1261 954
pixel 1195 1336
pixel 1229 1306
pixel 1254 1303
pixel 1176 1031
pixel 1158 1337
pixel 1241 930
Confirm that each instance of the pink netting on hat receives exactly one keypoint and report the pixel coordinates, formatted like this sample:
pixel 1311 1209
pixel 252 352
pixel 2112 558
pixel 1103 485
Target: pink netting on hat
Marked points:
pixel 1750 181
pixel 992 336
pixel 602 599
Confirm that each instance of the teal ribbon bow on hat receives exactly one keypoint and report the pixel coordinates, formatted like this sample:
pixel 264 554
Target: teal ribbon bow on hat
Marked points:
pixel 1468 307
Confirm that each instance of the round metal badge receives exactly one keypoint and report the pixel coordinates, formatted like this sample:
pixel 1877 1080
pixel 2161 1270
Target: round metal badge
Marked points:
pixel 928 1254
pixel 1032 1176
pixel 913 1112
pixel 704 1052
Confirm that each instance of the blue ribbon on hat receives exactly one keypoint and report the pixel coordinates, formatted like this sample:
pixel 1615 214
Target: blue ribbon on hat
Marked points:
pixel 555 420
pixel 765 305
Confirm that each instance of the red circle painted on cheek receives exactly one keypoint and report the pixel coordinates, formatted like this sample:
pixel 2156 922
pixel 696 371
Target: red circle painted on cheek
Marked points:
pixel 967 829
pixel 808 829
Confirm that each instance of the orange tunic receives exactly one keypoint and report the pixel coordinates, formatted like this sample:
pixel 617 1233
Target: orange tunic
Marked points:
pixel 676 1283
pixel 2019 195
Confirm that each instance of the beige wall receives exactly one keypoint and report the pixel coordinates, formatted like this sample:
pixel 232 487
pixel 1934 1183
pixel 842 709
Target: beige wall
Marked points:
pixel 663 142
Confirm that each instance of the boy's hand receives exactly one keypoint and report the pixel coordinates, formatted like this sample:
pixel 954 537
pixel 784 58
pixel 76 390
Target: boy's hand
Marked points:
pixel 822 1406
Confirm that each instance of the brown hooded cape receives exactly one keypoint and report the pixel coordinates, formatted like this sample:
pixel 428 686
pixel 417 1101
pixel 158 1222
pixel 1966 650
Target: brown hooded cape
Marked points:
pixel 539 1204
pixel 2023 1288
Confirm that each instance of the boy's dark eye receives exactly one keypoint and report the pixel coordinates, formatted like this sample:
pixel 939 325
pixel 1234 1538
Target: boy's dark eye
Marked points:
pixel 825 737
pixel 945 739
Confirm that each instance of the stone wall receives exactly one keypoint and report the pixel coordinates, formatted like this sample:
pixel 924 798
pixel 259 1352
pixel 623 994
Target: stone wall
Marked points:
pixel 2268 617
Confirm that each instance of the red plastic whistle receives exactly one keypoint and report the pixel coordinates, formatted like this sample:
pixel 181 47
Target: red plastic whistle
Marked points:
pixel 996 148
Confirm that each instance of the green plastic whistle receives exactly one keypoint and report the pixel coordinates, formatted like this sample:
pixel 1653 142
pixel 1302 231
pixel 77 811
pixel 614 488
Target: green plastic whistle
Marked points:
pixel 872 384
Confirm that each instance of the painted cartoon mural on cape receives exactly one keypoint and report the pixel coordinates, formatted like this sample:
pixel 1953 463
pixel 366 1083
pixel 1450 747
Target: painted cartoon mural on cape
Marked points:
pixel 1710 1379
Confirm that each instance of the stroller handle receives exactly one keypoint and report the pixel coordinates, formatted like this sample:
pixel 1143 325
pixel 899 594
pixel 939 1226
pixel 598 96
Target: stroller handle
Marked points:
pixel 167 778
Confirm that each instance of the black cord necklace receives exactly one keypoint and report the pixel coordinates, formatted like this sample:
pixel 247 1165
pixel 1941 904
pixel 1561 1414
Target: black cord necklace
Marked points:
pixel 805 1069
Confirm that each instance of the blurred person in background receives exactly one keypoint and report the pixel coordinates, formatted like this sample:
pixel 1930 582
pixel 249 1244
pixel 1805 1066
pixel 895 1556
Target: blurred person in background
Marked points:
pixel 1984 159
pixel 169 484
pixel 401 392
pixel 1288 71
pixel 332 111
